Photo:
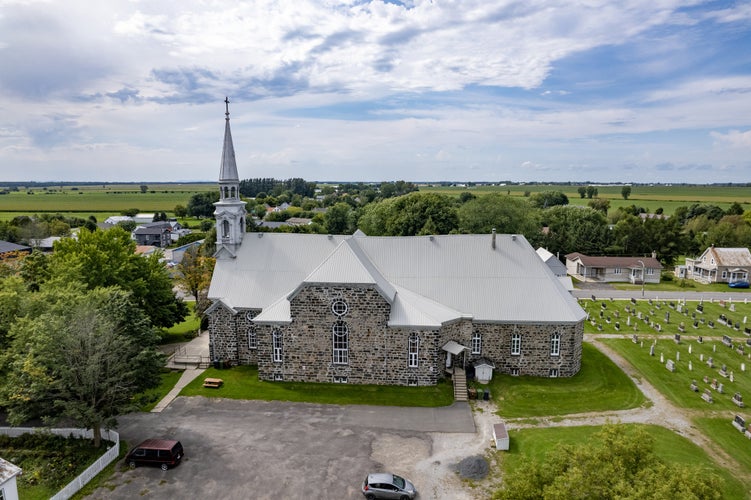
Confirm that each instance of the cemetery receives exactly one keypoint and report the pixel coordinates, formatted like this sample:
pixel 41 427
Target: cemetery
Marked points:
pixel 704 366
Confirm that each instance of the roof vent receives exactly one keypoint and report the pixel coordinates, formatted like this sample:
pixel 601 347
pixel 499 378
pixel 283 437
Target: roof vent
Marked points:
pixel 331 236
pixel 260 235
pixel 492 244
pixel 513 237
pixel 431 237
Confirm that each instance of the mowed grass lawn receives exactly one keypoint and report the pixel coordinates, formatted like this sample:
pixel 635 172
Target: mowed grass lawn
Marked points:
pixel 670 447
pixel 241 382
pixel 599 386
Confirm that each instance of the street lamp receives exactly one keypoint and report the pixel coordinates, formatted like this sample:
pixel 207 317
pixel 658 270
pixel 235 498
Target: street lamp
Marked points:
pixel 642 277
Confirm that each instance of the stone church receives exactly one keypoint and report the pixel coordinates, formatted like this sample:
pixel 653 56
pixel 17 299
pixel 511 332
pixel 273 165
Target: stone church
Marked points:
pixel 364 309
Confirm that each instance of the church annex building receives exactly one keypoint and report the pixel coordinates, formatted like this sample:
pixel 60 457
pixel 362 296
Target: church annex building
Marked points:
pixel 364 309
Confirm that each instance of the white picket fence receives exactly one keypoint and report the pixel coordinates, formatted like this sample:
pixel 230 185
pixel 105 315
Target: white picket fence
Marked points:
pixel 74 486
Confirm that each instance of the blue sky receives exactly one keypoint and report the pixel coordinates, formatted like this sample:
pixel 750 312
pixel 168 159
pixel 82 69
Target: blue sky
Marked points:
pixel 466 90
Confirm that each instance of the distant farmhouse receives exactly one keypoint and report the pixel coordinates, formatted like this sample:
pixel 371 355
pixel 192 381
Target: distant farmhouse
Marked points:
pixel 720 265
pixel 362 309
pixel 635 270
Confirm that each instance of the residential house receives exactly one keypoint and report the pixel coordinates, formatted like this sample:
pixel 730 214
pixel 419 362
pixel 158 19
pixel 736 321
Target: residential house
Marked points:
pixel 720 265
pixel 160 234
pixel 614 269
pixel 383 310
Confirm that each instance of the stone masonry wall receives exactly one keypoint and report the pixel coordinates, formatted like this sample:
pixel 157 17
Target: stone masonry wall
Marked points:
pixel 377 354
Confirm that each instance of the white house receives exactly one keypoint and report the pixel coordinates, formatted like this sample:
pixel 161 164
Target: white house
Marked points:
pixel 720 265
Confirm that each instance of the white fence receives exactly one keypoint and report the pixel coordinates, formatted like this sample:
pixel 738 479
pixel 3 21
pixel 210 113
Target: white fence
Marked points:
pixel 74 486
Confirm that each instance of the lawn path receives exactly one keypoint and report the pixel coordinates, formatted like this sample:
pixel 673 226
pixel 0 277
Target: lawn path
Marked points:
pixel 658 411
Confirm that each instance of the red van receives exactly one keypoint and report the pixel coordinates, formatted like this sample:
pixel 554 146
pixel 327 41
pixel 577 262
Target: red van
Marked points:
pixel 162 452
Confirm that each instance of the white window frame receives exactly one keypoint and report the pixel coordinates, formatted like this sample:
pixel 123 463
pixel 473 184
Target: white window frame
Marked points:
pixel 650 271
pixel 412 382
pixel 340 379
pixel 516 344
pixel 555 344
pixel 724 274
pixel 553 373
pixel 476 343
pixel 252 338
pixel 413 351
pixel 278 346
pixel 617 270
pixel 515 372
pixel 278 377
pixel 340 343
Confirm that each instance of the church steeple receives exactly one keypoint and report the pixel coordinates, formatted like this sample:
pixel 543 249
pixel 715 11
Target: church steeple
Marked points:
pixel 228 172
pixel 230 210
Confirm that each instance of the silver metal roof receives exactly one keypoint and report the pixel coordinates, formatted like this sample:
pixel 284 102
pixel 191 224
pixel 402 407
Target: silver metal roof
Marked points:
pixel 431 279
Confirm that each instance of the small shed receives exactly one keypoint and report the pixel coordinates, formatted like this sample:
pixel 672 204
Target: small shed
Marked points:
pixel 500 435
pixel 8 487
pixel 484 370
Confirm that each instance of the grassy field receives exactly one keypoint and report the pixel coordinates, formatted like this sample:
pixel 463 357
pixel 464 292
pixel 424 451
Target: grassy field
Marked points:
pixel 599 386
pixel 242 382
pixel 109 199
pixel 650 197
pixel 535 443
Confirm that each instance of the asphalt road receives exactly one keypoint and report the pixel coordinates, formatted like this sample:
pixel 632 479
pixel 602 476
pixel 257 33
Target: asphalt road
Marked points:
pixel 264 450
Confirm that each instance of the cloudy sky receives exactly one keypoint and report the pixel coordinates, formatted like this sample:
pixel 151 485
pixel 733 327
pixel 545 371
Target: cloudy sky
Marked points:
pixel 358 90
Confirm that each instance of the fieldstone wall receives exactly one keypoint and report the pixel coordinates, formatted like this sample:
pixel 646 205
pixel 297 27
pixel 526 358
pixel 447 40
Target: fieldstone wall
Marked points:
pixel 535 355
pixel 377 353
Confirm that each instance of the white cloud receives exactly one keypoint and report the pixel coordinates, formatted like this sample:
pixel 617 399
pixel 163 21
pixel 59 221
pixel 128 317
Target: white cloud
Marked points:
pixel 734 139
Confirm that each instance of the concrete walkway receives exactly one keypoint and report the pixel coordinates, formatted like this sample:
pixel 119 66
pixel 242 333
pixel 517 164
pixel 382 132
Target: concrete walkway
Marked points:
pixel 198 347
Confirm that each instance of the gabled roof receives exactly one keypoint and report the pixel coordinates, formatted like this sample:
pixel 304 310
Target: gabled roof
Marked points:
pixel 428 279
pixel 7 246
pixel 7 471
pixel 726 257
pixel 625 262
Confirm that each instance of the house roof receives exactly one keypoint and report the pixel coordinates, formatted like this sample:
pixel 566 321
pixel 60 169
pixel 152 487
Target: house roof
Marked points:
pixel 7 471
pixel 7 246
pixel 630 262
pixel 428 279
pixel 726 257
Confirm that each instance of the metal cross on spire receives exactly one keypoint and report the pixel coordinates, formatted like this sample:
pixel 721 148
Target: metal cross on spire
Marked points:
pixel 226 103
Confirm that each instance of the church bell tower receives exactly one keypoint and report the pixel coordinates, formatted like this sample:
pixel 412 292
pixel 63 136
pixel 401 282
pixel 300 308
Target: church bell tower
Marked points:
pixel 230 210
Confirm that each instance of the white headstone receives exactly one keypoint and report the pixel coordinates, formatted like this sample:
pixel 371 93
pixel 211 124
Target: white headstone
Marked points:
pixel 743 367
pixel 689 348
pixel 677 356
pixel 690 367
pixel 701 357
pixel 662 358
pixel 628 321
pixel 731 377
pixel 714 347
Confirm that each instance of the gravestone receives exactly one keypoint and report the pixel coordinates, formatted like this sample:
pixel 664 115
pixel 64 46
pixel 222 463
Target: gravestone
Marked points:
pixel 662 358
pixel 731 308
pixel 723 371
pixel 682 327
pixel 677 355
pixel 677 338
pixel 707 396
pixel 731 376
pixel 738 400
pixel 700 309
pixel 634 338
pixel 710 362
pixel 701 357
pixel 711 324
pixel 633 300
pixel 617 325
pixel 720 388
pixel 743 367
pixel 667 317
pixel 727 341
pixel 696 324
pixel 670 365
pixel 690 366
pixel 652 350
pixel 628 320
pixel 700 339
pixel 689 348
pixel 705 379
pixel 739 423
pixel 693 386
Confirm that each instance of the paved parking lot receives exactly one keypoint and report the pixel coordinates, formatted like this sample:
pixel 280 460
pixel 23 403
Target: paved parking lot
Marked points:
pixel 259 449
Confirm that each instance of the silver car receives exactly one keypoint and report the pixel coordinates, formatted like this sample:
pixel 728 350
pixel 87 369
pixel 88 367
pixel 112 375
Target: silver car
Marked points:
pixel 387 485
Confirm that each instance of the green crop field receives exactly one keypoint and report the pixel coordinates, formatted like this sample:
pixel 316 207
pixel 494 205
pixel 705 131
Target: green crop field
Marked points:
pixel 649 197
pixel 108 199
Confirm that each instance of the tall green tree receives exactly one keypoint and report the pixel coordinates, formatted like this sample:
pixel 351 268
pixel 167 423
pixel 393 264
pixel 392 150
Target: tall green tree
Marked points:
pixel 505 214
pixel 619 462
pixel 575 229
pixel 194 276
pixel 83 357
pixel 202 204
pixel 546 199
pixel 340 219
pixel 408 215
pixel 108 258
pixel 626 192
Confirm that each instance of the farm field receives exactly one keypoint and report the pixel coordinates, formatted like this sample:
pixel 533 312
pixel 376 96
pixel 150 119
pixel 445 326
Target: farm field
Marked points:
pixel 100 201
pixel 650 197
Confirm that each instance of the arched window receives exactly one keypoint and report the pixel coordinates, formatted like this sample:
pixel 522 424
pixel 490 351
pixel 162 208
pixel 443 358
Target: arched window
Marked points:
pixel 277 346
pixel 476 343
pixel 340 340
pixel 555 344
pixel 224 192
pixel 232 192
pixel 413 351
pixel 225 229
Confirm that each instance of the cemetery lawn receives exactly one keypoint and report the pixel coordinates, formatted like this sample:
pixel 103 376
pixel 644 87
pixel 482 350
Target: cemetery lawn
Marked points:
pixel 672 448
pixel 733 442
pixel 241 382
pixel 599 386
pixel 148 399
